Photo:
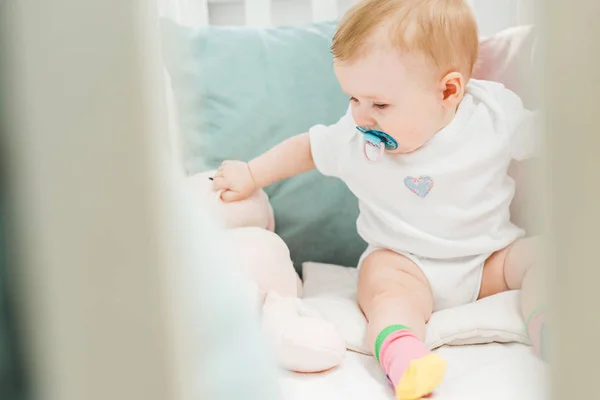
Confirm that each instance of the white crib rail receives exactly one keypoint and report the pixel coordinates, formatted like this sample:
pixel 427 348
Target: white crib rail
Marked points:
pixel 492 16
pixel 186 12
pixel 324 10
pixel 256 13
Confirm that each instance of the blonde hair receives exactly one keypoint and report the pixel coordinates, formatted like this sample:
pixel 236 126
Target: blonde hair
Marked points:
pixel 444 31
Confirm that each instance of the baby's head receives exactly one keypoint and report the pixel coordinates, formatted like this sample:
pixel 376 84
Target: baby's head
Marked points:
pixel 405 64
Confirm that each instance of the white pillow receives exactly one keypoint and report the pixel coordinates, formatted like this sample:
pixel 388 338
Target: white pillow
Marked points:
pixel 331 290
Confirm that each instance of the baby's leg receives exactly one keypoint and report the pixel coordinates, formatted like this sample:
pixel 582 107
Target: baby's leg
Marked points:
pixel 396 299
pixel 519 267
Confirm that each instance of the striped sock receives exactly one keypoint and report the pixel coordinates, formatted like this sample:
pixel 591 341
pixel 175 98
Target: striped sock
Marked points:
pixel 537 331
pixel 409 365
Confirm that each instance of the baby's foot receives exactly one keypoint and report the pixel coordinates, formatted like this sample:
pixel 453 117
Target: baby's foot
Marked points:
pixel 422 377
pixel 542 338
pixel 411 367
pixel 539 332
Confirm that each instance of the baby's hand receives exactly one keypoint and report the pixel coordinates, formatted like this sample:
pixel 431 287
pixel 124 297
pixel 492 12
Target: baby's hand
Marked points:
pixel 235 180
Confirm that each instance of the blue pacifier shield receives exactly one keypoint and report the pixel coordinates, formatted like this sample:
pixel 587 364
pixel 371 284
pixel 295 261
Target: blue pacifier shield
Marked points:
pixel 374 140
pixel 378 137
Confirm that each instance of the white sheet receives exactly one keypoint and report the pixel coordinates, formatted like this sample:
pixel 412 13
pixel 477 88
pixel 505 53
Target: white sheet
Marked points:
pixel 481 372
pixel 331 291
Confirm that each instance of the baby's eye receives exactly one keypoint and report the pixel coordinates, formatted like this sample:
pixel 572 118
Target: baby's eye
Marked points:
pixel 353 100
pixel 380 106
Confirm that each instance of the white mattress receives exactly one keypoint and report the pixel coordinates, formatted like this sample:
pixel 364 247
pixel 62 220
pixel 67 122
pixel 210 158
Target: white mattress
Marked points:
pixel 481 372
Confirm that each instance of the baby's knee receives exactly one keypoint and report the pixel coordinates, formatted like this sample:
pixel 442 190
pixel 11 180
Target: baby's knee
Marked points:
pixel 521 257
pixel 381 286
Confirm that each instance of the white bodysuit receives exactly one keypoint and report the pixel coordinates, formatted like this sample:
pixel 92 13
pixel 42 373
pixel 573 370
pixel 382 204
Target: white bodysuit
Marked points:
pixel 446 205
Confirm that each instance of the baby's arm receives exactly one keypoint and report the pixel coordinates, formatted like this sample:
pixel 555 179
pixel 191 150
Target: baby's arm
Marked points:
pixel 526 136
pixel 289 158
pixel 523 126
pixel 237 180
pixel 294 156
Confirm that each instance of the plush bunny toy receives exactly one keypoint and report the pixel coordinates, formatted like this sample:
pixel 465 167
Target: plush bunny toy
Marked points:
pixel 302 340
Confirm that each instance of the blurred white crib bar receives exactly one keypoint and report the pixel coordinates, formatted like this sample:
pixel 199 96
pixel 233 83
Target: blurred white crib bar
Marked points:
pixel 324 10
pixel 256 13
pixel 492 16
pixel 185 12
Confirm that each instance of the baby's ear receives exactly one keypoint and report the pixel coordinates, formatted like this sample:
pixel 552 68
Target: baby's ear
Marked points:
pixel 452 89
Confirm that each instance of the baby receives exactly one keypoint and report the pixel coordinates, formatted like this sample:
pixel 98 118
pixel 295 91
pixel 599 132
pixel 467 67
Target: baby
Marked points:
pixel 426 150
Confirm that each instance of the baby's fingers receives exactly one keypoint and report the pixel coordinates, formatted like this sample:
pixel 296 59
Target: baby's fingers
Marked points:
pixel 229 195
pixel 220 183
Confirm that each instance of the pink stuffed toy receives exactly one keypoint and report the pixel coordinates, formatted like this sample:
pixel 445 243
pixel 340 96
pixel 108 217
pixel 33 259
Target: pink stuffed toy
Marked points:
pixel 302 340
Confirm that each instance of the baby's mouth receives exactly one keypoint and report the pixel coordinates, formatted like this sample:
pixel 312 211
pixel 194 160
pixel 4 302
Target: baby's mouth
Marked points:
pixel 375 143
pixel 378 137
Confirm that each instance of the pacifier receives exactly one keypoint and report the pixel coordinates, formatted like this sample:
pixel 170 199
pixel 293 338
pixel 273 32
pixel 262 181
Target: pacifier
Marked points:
pixel 377 139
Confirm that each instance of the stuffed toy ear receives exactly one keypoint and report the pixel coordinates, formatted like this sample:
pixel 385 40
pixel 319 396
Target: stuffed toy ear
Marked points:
pixel 255 211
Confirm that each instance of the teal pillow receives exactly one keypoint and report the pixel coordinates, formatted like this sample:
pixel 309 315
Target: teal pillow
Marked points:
pixel 239 91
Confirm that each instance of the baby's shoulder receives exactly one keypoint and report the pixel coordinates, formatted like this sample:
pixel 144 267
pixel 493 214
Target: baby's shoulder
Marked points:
pixel 500 102
pixel 494 93
pixel 483 84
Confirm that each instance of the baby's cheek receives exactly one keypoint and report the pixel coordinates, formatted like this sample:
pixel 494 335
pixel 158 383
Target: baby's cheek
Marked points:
pixel 394 126
pixel 408 137
pixel 401 129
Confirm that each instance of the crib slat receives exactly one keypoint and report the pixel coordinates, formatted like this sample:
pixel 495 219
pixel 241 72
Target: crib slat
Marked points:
pixel 324 10
pixel 200 11
pixel 192 13
pixel 258 13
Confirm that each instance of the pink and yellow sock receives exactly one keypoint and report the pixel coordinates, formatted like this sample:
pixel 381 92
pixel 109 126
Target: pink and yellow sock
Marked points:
pixel 411 367
pixel 537 331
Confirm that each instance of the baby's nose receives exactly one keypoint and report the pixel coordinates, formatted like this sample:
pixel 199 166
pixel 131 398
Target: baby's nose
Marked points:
pixel 364 119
